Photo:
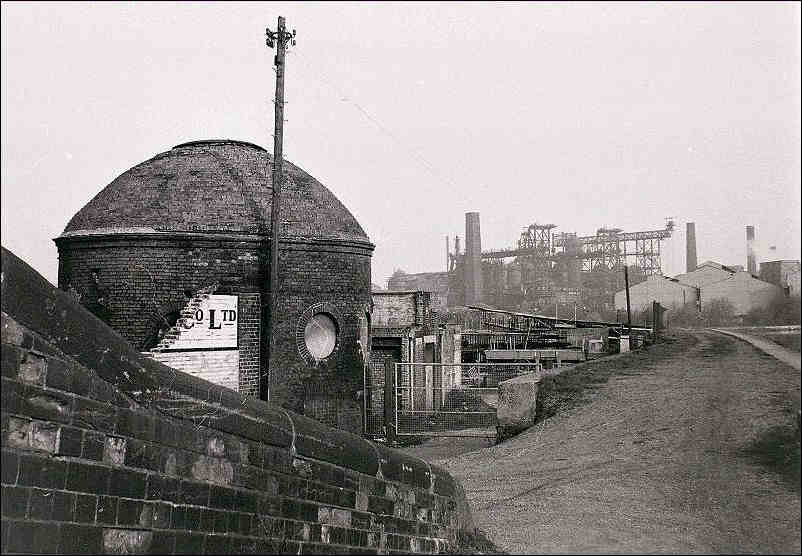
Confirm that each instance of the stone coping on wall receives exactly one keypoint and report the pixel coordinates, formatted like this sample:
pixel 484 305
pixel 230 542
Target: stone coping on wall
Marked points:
pixel 29 302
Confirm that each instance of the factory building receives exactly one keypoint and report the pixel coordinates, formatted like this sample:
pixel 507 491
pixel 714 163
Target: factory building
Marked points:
pixel 709 281
pixel 793 283
pixel 706 273
pixel 405 330
pixel 544 271
pixel 743 290
pixel 436 283
pixel 669 292
pixel 174 255
pixel 784 274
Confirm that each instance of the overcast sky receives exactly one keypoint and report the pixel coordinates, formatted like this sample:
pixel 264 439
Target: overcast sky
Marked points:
pixel 582 115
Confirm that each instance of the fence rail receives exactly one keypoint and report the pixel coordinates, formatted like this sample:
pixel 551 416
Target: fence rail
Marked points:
pixel 449 399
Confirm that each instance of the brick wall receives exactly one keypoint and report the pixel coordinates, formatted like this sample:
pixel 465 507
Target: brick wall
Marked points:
pixel 141 279
pixel 423 313
pixel 434 283
pixel 248 331
pixel 107 451
pixel 393 309
pixel 336 279
pixel 238 368
pixel 401 309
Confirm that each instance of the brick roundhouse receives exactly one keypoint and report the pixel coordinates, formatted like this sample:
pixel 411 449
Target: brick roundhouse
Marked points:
pixel 194 221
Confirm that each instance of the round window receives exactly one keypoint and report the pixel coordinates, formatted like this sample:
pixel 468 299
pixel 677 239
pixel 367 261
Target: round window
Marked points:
pixel 320 335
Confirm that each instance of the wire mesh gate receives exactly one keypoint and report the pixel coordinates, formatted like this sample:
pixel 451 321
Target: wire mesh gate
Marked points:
pixel 447 399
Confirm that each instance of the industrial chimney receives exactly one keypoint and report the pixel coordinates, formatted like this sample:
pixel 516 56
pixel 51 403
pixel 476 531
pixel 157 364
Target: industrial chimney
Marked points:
pixel 473 259
pixel 690 247
pixel 751 263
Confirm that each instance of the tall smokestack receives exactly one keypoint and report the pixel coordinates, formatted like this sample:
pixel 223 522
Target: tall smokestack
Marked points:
pixel 473 259
pixel 690 247
pixel 751 264
pixel 574 263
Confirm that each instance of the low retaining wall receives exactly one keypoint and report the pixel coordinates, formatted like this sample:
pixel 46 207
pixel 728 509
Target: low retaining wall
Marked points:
pixel 107 451
pixel 517 400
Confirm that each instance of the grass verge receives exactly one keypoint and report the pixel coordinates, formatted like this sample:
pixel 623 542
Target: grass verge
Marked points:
pixel 778 449
pixel 558 393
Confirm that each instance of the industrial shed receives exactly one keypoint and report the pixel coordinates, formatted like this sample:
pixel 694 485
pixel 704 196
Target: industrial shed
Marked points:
pixel 742 290
pixel 669 292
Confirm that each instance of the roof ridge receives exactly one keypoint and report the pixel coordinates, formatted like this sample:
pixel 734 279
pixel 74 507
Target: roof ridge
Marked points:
pixel 238 142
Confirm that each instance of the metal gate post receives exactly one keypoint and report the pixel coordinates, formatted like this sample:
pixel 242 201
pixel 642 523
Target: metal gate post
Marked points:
pixel 365 368
pixel 390 424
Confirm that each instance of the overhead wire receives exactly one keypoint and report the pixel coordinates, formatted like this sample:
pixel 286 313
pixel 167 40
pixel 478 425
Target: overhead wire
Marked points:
pixel 344 97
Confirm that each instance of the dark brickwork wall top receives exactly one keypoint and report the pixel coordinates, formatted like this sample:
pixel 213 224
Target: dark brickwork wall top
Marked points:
pixel 65 328
pixel 107 451
pixel 215 186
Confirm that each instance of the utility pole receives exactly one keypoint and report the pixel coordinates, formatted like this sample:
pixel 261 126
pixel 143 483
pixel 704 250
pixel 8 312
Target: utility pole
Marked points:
pixel 629 315
pixel 279 39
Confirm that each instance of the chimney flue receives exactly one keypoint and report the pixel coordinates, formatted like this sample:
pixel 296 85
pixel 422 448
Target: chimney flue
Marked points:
pixel 690 247
pixel 473 259
pixel 751 263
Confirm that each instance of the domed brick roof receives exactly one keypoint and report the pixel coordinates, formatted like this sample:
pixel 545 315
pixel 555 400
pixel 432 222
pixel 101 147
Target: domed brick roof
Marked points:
pixel 214 186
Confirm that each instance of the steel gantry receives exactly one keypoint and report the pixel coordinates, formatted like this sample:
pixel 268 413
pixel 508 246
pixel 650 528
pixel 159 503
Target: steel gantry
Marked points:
pixel 608 249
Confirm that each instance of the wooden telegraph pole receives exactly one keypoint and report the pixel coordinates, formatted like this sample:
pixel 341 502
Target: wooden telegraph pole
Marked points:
pixel 279 39
pixel 629 314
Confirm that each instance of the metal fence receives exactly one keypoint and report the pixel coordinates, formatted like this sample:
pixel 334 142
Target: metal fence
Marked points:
pixel 374 411
pixel 450 399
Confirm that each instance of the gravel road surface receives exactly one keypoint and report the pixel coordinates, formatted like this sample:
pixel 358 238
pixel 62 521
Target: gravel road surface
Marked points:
pixel 653 463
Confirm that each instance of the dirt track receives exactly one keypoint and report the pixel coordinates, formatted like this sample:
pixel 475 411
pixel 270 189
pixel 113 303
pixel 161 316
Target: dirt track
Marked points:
pixel 654 463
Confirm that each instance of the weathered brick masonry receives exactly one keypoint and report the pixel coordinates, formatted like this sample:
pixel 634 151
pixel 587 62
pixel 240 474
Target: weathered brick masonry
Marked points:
pixel 338 275
pixel 198 216
pixel 142 278
pixel 105 450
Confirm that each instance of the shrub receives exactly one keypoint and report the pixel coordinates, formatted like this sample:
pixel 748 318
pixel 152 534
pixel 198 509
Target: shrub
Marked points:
pixel 687 316
pixel 718 312
pixel 780 310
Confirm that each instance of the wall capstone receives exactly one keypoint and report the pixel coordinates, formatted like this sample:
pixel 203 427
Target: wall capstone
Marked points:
pixel 107 451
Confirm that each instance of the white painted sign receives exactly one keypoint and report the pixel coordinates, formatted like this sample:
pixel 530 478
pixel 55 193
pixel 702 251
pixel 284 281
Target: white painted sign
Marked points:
pixel 220 367
pixel 213 324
